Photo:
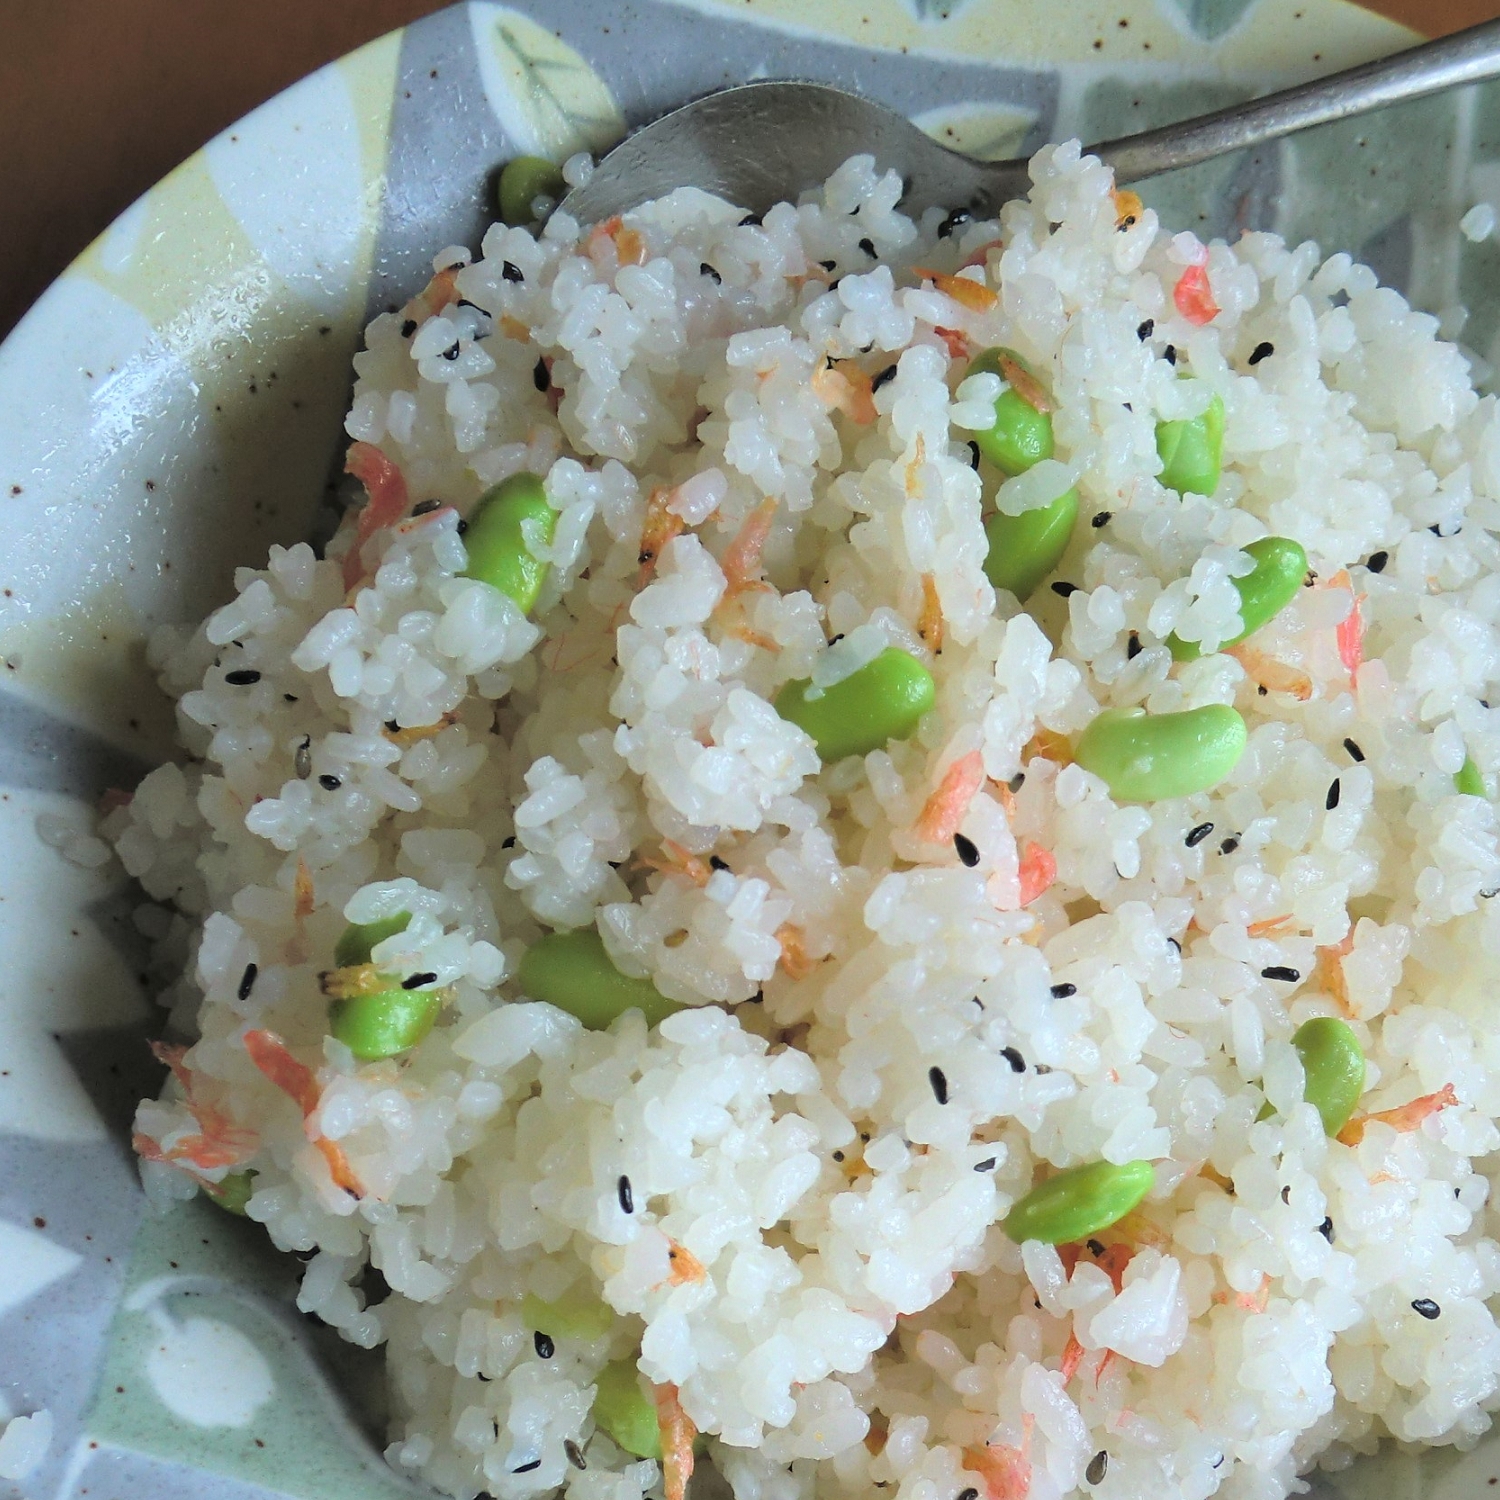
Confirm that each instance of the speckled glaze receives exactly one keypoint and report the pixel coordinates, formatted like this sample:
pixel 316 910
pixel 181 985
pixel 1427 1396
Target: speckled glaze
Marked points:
pixel 172 405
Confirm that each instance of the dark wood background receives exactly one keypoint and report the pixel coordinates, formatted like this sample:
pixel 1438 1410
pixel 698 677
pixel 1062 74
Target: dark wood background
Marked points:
pixel 100 98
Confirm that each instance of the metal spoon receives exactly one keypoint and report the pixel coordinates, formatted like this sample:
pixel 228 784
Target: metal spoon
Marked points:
pixel 761 143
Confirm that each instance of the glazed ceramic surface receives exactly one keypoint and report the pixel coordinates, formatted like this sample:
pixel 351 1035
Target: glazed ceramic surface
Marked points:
pixel 172 406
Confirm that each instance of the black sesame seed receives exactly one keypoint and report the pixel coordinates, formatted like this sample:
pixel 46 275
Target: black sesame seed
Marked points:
pixel 1281 972
pixel 704 269
pixel 1377 561
pixel 828 265
pixel 1146 329
pixel 1436 530
pixel 987 1165
pixel 453 350
pixel 1095 1247
pixel 1014 1058
pixel 973 454
pixel 416 981
pixel 575 1454
pixel 302 758
pixel 1425 1307
pixel 1326 1230
pixel 955 220
pixel 408 328
pixel 508 842
pixel 1132 647
pixel 886 375
pixel 749 219
pixel 627 1198
pixel 1063 991
pixel 535 1463
pixel 394 725
pixel 833 640
pixel 290 697
pixel 1170 354
pixel 329 783
pixel 1260 352
pixel 247 981
pixel 242 678
pixel 1331 801
pixel 966 851
pixel 1062 588
pixel 967 1495
pixel 426 507
pixel 510 271
pixel 1102 518
pixel 715 863
pixel 1198 834
pixel 1286 1193
pixel 1098 1466
pixel 838 1156
pixel 1176 943
pixel 1230 844
pixel 1017 781
pixel 939 1082
pixel 1355 753
pixel 545 1348
pixel 541 376
pixel 1489 893
pixel 462 526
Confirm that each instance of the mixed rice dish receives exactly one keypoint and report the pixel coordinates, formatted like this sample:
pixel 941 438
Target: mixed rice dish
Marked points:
pixel 868 865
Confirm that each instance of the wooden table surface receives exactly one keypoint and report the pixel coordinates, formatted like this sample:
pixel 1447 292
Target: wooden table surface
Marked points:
pixel 100 98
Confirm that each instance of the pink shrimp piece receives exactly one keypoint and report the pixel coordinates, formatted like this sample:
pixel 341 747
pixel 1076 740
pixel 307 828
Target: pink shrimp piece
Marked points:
pixel 1268 926
pixel 742 558
pixel 1194 297
pixel 1273 675
pixel 1350 631
pixel 297 1081
pixel 957 343
pixel 979 256
pixel 930 625
pixel 1330 972
pixel 387 504
pixel 1404 1117
pixel 112 798
pixel 677 1434
pixel 1072 1357
pixel 795 958
pixel 676 860
pixel 944 810
pixel 219 1141
pixel 1113 1262
pixel 847 388
pixel 974 295
pixel 660 527
pixel 1247 1301
pixel 686 1266
pixel 1038 871
pixel 1006 1471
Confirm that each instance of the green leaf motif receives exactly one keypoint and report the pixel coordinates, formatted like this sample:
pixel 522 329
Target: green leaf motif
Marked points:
pixel 549 99
pixel 1210 19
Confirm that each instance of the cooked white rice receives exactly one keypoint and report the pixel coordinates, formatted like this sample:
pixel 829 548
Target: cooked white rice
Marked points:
pixel 864 1319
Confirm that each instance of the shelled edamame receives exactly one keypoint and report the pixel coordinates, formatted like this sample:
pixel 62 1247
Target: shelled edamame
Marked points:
pixel 1333 1067
pixel 232 1193
pixel 381 1022
pixel 624 1410
pixel 1021 434
pixel 1191 450
pixel 572 971
pixel 883 700
pixel 525 179
pixel 1467 780
pixel 1024 549
pixel 1080 1201
pixel 1279 571
pixel 1149 757
pixel 502 529
pixel 577 1314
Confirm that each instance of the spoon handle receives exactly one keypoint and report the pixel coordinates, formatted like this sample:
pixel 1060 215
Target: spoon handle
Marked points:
pixel 1466 57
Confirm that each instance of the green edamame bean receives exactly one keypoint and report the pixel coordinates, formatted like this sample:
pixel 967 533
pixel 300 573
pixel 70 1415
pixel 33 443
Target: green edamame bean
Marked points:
pixel 625 1411
pixel 1467 779
pixel 233 1192
pixel 1079 1202
pixel 1333 1064
pixel 1022 433
pixel 1280 567
pixel 522 182
pixel 1150 757
pixel 1191 451
pixel 360 939
pixel 575 1315
pixel 386 1023
pixel 496 543
pixel 883 701
pixel 1024 549
pixel 572 971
